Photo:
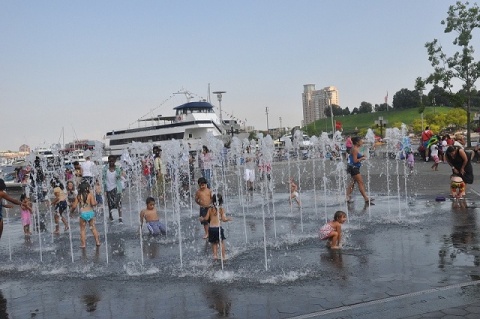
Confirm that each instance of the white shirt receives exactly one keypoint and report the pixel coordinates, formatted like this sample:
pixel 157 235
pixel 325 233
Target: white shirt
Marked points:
pixel 111 180
pixel 87 168
pixel 434 150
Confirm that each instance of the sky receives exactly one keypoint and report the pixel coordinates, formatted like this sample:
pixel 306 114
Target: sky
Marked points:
pixel 78 69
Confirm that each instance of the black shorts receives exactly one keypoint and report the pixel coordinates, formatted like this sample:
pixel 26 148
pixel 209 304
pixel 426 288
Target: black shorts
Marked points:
pixel 203 213
pixel 353 170
pixel 214 234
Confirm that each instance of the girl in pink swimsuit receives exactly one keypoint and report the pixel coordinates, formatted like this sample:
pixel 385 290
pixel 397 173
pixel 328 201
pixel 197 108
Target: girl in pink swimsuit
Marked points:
pixel 332 230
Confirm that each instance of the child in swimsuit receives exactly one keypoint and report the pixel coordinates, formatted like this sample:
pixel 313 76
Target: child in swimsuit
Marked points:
pixel 332 230
pixel 203 197
pixel 457 187
pixel 294 192
pixel 86 200
pixel 60 203
pixel 71 194
pixel 26 213
pixel 215 214
pixel 150 215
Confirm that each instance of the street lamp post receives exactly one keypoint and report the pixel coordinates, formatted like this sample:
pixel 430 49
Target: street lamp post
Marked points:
pixel 268 128
pixel 420 95
pixel 331 109
pixel 219 98
pixel 381 123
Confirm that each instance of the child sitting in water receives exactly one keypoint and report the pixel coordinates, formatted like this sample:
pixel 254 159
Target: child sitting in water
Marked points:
pixel 457 187
pixel 332 230
pixel 26 213
pixel 150 215
pixel 215 214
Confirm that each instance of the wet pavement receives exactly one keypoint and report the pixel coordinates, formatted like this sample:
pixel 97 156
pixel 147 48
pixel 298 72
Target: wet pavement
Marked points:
pixel 406 257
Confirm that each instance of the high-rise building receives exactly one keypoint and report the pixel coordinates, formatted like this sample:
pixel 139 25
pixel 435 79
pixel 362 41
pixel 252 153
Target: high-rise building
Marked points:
pixel 315 102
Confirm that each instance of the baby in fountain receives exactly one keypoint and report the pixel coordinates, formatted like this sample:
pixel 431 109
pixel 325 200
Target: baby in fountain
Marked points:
pixel 457 187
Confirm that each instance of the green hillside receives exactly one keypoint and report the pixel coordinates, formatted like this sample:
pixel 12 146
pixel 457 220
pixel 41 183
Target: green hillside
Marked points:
pixel 351 123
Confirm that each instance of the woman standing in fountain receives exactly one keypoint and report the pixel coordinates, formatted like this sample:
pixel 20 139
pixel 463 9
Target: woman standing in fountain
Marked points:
pixel 355 159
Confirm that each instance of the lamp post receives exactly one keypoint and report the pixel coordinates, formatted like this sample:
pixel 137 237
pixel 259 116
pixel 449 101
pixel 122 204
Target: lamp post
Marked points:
pixel 381 123
pixel 420 95
pixel 329 93
pixel 219 98
pixel 266 112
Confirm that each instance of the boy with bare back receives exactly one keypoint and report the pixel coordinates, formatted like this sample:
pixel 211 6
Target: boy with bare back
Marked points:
pixel 215 215
pixel 203 197
pixel 294 192
pixel 150 215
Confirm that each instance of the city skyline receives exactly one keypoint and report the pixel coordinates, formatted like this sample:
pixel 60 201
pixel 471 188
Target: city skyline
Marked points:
pixel 77 70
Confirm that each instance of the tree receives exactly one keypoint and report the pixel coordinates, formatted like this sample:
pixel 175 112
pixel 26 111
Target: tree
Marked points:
pixel 365 107
pixel 382 107
pixel 355 110
pixel 405 99
pixel 346 111
pixel 337 110
pixel 461 66
pixel 438 97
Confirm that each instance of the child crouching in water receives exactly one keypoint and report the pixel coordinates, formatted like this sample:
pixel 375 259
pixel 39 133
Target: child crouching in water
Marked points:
pixel 215 214
pixel 332 230
pixel 457 187
pixel 26 214
pixel 150 215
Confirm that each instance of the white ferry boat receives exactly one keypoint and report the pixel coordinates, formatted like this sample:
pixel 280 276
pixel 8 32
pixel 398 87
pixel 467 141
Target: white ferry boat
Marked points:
pixel 192 122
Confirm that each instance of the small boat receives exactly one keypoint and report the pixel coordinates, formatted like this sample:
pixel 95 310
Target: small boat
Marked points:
pixel 192 122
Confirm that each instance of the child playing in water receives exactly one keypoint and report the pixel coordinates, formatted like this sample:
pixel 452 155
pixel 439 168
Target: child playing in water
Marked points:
pixel 410 161
pixel 332 230
pixel 71 193
pixel 150 215
pixel 26 214
pixel 60 203
pixel 215 214
pixel 457 187
pixel 294 192
pixel 203 197
pixel 434 156
pixel 86 200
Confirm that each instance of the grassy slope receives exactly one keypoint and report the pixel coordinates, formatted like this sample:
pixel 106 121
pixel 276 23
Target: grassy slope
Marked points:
pixel 366 120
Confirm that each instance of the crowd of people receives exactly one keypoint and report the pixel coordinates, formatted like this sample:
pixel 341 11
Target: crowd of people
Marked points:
pixel 87 184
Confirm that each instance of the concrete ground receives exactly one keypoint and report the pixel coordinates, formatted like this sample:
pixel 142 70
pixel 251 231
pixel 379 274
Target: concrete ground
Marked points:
pixel 409 256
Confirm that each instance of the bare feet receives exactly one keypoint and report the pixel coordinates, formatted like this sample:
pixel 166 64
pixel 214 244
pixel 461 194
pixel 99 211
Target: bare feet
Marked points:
pixel 205 237
pixel 82 246
pixel 67 228
pixel 57 232
pixel 335 247
pixel 98 244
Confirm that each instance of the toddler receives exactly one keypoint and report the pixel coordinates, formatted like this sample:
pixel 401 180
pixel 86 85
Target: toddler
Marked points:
pixel 457 187
pixel 26 214
pixel 332 230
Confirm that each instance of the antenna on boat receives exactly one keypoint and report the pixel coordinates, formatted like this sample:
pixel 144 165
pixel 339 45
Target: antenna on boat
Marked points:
pixel 208 94
pixel 188 94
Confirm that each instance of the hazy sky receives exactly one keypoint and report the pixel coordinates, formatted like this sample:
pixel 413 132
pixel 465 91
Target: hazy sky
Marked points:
pixel 88 67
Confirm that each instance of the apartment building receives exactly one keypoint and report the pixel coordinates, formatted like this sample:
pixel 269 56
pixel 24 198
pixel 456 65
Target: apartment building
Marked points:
pixel 316 101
